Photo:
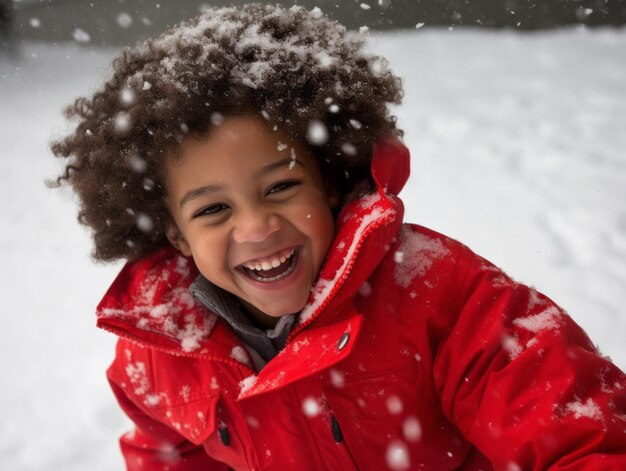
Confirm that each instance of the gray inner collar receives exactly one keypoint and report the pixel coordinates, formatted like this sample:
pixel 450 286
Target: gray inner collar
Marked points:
pixel 266 342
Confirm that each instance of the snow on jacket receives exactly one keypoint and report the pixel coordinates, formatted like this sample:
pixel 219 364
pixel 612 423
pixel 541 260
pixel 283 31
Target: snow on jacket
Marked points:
pixel 413 353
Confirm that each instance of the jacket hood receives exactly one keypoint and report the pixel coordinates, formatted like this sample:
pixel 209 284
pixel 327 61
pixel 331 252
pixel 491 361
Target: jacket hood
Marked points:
pixel 149 302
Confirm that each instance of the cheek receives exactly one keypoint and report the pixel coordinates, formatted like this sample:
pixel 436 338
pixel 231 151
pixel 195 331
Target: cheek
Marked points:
pixel 320 226
pixel 209 253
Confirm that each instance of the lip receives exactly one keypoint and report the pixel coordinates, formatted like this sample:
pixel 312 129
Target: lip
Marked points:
pixel 278 284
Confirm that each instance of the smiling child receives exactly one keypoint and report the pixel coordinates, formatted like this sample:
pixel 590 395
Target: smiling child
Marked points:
pixel 276 313
pixel 257 220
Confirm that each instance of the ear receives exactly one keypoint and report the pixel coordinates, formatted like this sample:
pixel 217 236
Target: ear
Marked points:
pixel 177 239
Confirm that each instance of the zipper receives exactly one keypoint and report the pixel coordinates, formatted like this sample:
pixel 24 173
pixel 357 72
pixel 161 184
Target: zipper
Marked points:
pixel 340 440
pixel 385 219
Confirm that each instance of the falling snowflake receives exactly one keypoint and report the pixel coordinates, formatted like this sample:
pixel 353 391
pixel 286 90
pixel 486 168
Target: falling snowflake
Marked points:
pixel 317 134
pixel 348 149
pixel 127 96
pixel 144 222
pixel 398 456
pixel 122 122
pixel 336 378
pixel 124 20
pixel 311 407
pixel 412 429
pixel 81 36
pixel 394 405
pixel 217 118
pixel 148 184
pixel 137 163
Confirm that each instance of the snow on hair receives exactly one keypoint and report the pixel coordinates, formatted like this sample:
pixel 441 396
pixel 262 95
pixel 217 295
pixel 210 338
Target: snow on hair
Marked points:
pixel 291 66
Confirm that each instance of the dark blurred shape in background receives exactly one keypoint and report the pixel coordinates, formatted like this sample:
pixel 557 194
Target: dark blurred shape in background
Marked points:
pixel 123 22
pixel 7 33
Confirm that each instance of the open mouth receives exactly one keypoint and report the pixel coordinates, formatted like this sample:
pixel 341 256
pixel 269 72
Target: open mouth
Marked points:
pixel 272 269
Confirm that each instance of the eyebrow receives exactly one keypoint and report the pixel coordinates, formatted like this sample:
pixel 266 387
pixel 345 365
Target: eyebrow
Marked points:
pixel 277 165
pixel 193 194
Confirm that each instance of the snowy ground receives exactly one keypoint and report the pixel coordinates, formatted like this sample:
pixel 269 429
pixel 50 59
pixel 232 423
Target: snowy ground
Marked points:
pixel 518 145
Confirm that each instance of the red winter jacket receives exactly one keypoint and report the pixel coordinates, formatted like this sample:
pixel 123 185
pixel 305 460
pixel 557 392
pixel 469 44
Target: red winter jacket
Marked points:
pixel 413 353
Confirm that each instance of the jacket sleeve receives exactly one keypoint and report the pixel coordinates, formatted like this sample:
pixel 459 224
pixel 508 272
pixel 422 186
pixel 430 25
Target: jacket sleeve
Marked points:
pixel 523 382
pixel 152 446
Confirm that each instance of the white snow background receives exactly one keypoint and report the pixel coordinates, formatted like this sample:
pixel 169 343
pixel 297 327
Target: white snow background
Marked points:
pixel 518 144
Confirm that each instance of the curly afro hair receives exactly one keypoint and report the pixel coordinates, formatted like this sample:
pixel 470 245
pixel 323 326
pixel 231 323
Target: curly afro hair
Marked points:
pixel 297 69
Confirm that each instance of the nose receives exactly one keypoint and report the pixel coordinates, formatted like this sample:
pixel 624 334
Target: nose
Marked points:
pixel 255 225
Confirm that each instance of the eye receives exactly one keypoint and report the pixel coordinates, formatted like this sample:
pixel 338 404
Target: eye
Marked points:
pixel 211 210
pixel 282 186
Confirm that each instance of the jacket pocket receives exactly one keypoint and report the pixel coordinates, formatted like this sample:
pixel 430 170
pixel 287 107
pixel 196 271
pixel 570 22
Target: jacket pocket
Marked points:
pixel 230 442
pixel 391 421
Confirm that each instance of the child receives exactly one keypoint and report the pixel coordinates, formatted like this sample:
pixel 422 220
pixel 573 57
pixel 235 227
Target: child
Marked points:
pixel 275 312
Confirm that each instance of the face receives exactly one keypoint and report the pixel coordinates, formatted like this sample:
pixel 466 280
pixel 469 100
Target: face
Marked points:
pixel 252 209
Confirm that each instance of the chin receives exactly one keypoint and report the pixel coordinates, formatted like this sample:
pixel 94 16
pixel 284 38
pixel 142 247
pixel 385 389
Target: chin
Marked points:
pixel 285 310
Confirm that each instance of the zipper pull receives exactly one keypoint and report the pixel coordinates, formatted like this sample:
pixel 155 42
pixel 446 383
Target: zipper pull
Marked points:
pixel 224 434
pixel 337 433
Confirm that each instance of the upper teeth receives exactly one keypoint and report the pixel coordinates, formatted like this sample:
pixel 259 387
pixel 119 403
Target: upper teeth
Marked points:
pixel 270 262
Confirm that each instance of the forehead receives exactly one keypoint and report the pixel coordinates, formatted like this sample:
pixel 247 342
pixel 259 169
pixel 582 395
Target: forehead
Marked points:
pixel 237 145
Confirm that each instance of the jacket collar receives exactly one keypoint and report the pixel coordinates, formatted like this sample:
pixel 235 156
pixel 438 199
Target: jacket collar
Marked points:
pixel 150 303
pixel 364 226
